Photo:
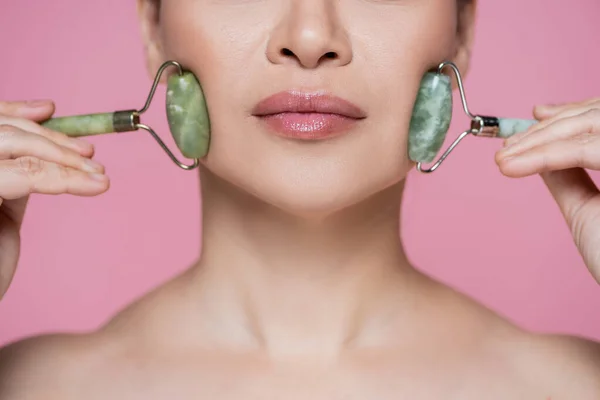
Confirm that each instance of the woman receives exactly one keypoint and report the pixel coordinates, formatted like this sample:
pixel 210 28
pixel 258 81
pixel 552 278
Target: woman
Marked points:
pixel 303 289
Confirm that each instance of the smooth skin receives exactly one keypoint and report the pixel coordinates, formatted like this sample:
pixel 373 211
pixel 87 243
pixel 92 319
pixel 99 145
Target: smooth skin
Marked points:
pixel 303 289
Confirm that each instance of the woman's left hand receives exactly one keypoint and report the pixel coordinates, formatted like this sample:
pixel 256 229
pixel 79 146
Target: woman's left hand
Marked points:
pixel 560 148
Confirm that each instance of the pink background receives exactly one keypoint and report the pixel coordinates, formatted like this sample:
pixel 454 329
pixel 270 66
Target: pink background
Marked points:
pixel 500 240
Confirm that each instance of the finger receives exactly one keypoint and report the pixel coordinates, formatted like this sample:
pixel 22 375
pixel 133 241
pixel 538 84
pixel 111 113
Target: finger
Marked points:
pixel 586 123
pixel 546 111
pixel 27 175
pixel 15 143
pixel 82 147
pixel 517 137
pixel 36 110
pixel 543 123
pixel 8 259
pixel 569 112
pixel 572 189
pixel 581 151
pixel 547 117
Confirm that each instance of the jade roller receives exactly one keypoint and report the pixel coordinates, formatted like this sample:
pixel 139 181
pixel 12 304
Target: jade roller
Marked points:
pixel 432 114
pixel 187 117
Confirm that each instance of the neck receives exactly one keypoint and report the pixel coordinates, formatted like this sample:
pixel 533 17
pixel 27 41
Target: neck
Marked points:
pixel 294 285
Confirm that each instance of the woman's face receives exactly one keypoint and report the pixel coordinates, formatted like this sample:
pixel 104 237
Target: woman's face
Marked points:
pixel 371 53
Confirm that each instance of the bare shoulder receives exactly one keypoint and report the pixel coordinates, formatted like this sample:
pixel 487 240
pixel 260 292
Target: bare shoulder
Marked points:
pixel 64 366
pixel 566 367
pixel 49 366
pixel 561 366
pixel 570 364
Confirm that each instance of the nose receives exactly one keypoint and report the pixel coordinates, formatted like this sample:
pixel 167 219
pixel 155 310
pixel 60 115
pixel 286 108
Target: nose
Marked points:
pixel 310 34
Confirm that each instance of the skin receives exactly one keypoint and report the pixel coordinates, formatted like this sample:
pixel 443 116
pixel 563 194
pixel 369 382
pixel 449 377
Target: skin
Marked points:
pixel 303 289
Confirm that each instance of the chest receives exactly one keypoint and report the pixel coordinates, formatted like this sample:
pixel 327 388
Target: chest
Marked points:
pixel 195 381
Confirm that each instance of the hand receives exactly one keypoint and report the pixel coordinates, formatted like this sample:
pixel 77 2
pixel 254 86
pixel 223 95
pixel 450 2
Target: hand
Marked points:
pixel 560 148
pixel 34 159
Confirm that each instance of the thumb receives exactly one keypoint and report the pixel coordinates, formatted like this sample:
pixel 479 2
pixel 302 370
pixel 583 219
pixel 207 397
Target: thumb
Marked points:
pixel 577 197
pixel 572 189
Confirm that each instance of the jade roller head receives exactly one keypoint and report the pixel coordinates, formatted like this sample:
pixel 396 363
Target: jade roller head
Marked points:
pixel 432 114
pixel 187 115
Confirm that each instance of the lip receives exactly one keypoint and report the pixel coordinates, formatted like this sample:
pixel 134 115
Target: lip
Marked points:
pixel 309 116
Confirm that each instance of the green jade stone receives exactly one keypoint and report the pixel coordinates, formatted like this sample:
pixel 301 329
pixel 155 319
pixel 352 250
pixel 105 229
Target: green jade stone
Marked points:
pixel 431 117
pixel 511 126
pixel 82 125
pixel 187 115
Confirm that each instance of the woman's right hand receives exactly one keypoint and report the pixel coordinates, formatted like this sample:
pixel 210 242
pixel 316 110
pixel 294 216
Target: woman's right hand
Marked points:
pixel 34 159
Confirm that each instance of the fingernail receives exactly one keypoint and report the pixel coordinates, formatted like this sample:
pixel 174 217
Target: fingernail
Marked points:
pixel 508 151
pixel 37 103
pixel 517 137
pixel 81 144
pixel 543 109
pixel 515 161
pixel 513 139
pixel 92 166
pixel 99 177
pixel 509 144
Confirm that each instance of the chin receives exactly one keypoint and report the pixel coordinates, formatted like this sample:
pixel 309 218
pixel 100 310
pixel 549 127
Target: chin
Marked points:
pixel 316 202
pixel 307 179
pixel 309 193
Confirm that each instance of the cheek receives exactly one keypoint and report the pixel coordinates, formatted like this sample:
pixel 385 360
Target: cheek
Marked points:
pixel 226 58
pixel 409 41
pixel 391 61
pixel 194 34
pixel 388 63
